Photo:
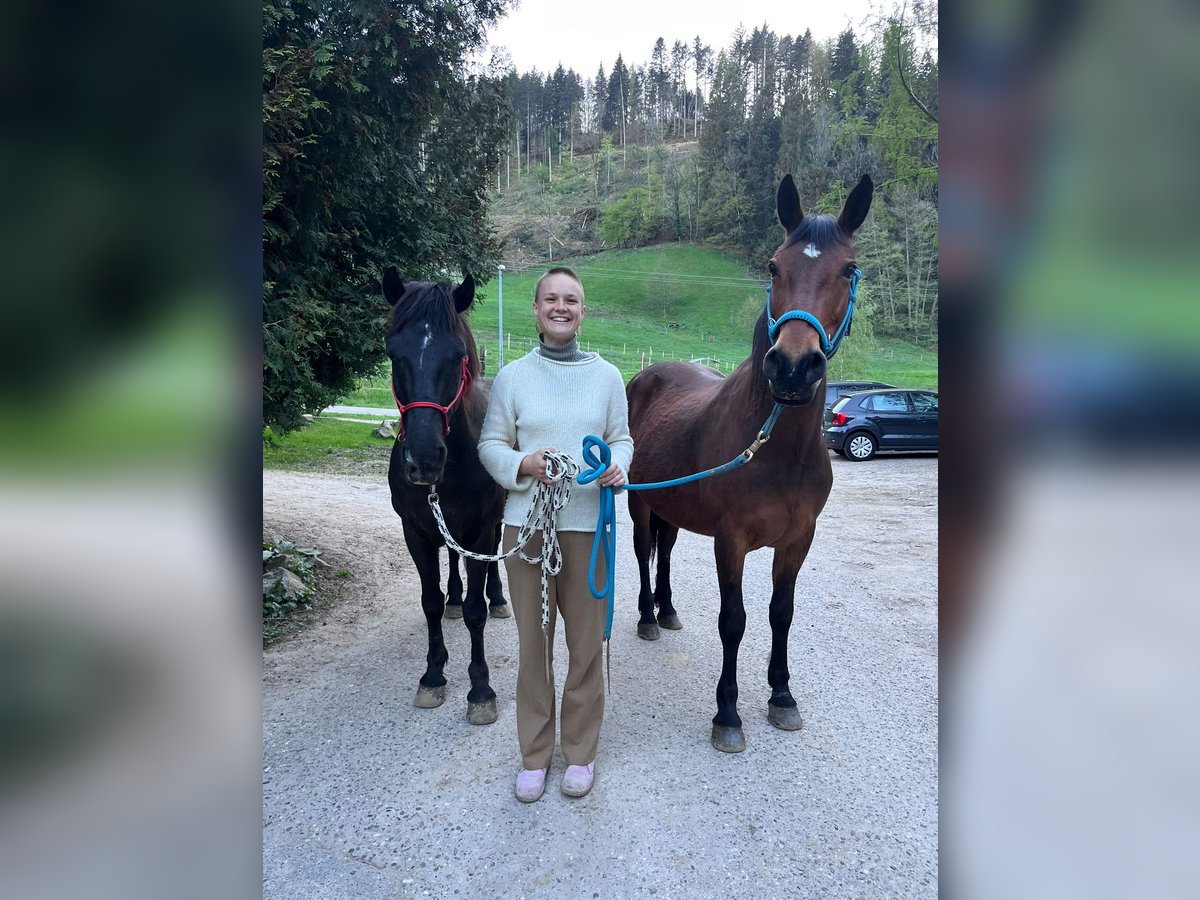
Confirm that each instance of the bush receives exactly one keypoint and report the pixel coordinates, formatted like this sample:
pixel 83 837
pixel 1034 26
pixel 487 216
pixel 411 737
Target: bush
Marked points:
pixel 282 594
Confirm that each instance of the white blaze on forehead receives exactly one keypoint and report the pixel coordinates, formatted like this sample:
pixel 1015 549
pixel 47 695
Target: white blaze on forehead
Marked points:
pixel 425 342
pixel 811 251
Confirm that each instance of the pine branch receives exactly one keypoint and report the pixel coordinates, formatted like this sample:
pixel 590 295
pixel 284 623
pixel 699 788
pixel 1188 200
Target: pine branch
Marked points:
pixel 904 81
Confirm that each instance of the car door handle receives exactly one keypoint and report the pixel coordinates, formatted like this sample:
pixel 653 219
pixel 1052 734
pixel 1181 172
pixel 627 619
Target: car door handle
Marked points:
pixel 873 418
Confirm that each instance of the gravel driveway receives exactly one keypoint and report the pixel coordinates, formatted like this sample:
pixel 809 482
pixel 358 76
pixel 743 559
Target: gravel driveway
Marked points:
pixel 366 796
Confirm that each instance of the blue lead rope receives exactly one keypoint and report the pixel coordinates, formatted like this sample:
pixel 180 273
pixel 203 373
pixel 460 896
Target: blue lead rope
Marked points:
pixel 598 456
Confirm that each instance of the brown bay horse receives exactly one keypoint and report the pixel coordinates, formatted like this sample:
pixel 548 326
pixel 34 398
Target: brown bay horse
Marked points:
pixel 687 418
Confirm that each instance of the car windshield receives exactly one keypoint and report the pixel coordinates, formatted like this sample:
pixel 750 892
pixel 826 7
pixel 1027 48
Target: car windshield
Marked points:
pixel 837 407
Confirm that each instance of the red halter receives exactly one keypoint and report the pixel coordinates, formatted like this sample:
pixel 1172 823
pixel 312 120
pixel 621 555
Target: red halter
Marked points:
pixel 464 385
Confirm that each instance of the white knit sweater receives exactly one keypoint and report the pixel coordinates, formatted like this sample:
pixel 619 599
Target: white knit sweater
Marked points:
pixel 537 403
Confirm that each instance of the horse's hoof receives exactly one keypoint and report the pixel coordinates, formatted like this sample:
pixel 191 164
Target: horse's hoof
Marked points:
pixel 453 612
pixel 499 610
pixel 430 697
pixel 728 740
pixel 670 620
pixel 482 713
pixel 785 717
pixel 648 631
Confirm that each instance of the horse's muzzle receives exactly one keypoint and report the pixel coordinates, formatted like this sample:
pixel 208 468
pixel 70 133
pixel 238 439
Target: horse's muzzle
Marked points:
pixel 794 382
pixel 424 468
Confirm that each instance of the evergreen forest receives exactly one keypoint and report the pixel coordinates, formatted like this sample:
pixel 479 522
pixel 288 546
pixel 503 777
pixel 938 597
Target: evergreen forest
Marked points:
pixel 384 143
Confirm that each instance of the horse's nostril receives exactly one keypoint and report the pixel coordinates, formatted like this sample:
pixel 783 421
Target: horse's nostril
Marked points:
pixel 772 366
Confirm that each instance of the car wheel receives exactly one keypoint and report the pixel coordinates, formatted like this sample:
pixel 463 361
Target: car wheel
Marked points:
pixel 860 446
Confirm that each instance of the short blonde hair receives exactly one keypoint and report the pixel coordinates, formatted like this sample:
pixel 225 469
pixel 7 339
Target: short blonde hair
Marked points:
pixel 557 270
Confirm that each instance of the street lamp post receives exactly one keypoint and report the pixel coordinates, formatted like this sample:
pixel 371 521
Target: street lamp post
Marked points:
pixel 500 273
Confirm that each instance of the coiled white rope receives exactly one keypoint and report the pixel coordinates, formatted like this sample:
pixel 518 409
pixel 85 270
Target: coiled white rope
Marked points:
pixel 548 499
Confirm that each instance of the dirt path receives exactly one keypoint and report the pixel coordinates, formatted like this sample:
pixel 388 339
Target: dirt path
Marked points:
pixel 367 796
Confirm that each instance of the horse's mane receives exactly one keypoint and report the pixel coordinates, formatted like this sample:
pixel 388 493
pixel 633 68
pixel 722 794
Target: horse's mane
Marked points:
pixel 820 230
pixel 433 302
pixel 760 388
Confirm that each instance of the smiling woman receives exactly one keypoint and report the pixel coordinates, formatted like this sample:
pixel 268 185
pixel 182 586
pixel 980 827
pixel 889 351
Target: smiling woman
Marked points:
pixel 550 400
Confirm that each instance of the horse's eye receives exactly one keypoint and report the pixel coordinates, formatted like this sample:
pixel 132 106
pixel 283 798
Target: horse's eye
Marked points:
pixel 773 269
pixel 848 272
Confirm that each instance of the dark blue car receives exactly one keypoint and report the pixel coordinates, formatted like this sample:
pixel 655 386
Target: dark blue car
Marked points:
pixel 860 425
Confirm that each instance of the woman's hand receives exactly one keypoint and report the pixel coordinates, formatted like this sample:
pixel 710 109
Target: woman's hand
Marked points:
pixel 535 464
pixel 612 477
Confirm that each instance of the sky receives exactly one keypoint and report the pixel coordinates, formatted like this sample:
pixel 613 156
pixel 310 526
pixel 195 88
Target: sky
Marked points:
pixel 540 34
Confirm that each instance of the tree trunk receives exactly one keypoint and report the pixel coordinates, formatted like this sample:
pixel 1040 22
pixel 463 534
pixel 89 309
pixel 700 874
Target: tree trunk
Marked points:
pixel 622 121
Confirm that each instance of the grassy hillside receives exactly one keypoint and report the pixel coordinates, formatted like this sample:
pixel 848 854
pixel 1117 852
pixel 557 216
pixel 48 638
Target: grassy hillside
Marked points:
pixel 903 363
pixel 666 302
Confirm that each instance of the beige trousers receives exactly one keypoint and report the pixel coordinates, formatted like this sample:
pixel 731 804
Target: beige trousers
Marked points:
pixel 583 617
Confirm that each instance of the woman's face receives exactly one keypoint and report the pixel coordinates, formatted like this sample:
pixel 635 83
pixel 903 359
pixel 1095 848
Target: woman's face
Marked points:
pixel 559 309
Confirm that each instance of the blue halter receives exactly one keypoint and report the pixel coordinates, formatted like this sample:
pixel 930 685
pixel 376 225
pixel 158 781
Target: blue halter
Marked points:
pixel 828 345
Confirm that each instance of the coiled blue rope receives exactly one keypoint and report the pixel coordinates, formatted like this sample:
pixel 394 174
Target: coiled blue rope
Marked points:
pixel 598 456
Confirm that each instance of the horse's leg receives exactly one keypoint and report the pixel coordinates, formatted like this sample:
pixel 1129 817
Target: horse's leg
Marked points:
pixel 727 734
pixel 666 534
pixel 481 699
pixel 498 607
pixel 431 691
pixel 781 708
pixel 639 511
pixel 454 589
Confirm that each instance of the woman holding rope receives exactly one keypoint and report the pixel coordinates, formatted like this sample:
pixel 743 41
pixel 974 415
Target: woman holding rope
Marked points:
pixel 544 401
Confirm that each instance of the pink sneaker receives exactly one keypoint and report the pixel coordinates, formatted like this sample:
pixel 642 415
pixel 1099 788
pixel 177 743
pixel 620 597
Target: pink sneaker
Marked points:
pixel 531 784
pixel 577 780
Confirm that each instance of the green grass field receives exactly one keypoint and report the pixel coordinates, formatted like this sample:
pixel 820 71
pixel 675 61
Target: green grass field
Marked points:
pixel 328 445
pixel 902 363
pixel 664 302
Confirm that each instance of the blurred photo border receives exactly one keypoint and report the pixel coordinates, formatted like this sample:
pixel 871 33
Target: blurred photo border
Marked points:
pixel 132 358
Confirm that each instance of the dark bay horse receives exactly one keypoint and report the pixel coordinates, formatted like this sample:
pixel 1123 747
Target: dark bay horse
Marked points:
pixel 442 402
pixel 497 605
pixel 686 418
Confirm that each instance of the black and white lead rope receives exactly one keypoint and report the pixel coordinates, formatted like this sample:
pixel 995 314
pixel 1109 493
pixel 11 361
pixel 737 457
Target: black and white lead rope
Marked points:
pixel 548 499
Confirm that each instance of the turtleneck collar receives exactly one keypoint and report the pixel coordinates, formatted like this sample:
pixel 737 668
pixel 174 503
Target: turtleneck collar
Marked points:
pixel 568 352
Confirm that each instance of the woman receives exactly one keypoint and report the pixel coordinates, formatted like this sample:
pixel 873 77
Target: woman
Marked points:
pixel 549 400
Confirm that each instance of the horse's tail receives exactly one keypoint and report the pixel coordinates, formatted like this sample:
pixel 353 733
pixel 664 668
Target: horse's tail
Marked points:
pixel 656 530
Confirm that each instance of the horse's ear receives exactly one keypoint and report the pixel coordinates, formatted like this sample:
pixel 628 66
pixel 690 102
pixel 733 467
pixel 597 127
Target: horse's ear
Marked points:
pixel 858 204
pixel 787 203
pixel 464 294
pixel 393 287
